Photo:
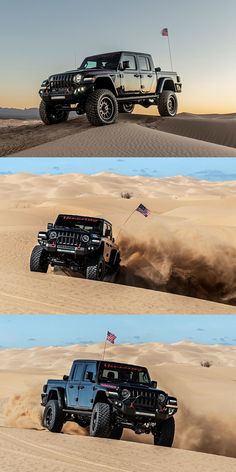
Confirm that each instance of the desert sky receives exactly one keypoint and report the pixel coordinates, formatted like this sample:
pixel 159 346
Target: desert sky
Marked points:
pixel 40 39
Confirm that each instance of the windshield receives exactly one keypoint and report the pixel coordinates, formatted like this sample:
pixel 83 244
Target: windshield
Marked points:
pixel 82 223
pixel 115 373
pixel 101 62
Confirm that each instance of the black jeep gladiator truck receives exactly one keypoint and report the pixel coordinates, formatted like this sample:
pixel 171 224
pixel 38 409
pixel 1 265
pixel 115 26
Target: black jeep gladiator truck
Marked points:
pixel 107 397
pixel 79 243
pixel 107 84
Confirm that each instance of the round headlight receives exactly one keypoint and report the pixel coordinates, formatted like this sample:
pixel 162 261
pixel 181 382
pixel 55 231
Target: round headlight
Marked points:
pixel 85 238
pixel 125 394
pixel 162 398
pixel 53 235
pixel 77 78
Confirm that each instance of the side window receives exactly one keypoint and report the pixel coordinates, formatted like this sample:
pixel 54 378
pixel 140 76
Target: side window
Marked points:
pixel 131 60
pixel 144 63
pixel 78 372
pixel 90 368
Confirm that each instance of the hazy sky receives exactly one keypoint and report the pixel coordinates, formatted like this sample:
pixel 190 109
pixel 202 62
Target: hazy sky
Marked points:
pixel 30 331
pixel 40 38
pixel 213 169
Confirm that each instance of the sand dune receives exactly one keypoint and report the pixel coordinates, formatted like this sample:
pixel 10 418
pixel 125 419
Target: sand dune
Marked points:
pixel 180 260
pixel 136 135
pixel 204 423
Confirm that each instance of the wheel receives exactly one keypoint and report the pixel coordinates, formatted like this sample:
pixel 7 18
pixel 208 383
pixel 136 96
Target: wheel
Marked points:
pixel 96 272
pixel 126 107
pixel 101 108
pixel 168 103
pixel 100 424
pixel 38 260
pixel 53 418
pixel 51 115
pixel 164 434
pixel 116 432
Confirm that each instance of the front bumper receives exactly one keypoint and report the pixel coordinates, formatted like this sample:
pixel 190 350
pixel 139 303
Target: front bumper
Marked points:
pixel 72 250
pixel 133 413
pixel 70 95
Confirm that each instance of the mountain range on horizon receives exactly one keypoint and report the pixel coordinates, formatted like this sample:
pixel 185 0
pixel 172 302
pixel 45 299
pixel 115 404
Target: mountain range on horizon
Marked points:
pixel 19 114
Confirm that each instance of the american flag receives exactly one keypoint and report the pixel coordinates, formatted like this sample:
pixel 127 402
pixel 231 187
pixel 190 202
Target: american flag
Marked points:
pixel 143 210
pixel 111 337
pixel 165 32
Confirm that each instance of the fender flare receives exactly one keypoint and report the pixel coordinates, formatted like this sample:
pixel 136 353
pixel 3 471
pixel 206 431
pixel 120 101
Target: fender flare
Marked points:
pixel 107 81
pixel 161 84
pixel 60 394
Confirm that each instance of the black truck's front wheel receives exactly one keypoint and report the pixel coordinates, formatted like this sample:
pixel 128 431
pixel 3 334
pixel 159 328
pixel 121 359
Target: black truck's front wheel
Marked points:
pixel 126 107
pixel 101 107
pixel 164 433
pixel 51 115
pixel 100 424
pixel 53 418
pixel 38 260
pixel 96 271
pixel 168 103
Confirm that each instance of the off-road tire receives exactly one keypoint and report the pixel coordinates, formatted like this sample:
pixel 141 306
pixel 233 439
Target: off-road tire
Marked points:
pixel 101 107
pixel 50 115
pixel 116 432
pixel 96 272
pixel 126 107
pixel 100 424
pixel 38 260
pixel 168 103
pixel 53 418
pixel 165 432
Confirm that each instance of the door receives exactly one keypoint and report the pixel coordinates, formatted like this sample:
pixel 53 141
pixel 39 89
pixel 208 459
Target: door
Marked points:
pixel 130 76
pixel 73 386
pixel 87 387
pixel 147 75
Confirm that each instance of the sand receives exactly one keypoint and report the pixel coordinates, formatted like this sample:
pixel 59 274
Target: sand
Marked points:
pixel 180 260
pixel 132 136
pixel 205 423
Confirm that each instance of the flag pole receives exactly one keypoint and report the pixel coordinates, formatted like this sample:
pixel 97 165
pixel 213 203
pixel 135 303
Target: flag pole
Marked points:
pixel 105 345
pixel 171 62
pixel 123 224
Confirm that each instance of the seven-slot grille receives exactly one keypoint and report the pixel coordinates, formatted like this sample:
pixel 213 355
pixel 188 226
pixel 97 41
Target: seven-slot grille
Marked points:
pixel 68 238
pixel 146 399
pixel 61 81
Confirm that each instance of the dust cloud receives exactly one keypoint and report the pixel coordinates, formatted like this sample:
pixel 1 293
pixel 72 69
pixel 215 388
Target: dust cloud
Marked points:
pixel 189 266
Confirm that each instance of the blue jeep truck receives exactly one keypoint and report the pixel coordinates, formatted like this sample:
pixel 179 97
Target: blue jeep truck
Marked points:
pixel 107 84
pixel 106 397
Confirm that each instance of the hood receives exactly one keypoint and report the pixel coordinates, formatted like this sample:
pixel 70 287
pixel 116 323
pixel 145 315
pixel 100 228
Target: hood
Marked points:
pixel 85 72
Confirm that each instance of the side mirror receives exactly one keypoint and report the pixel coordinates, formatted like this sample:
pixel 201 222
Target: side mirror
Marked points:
pixel 125 65
pixel 65 377
pixel 113 240
pixel 154 384
pixel 50 225
pixel 89 376
pixel 158 69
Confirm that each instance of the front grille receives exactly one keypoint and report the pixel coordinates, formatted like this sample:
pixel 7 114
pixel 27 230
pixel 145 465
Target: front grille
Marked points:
pixel 61 81
pixel 146 399
pixel 68 238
